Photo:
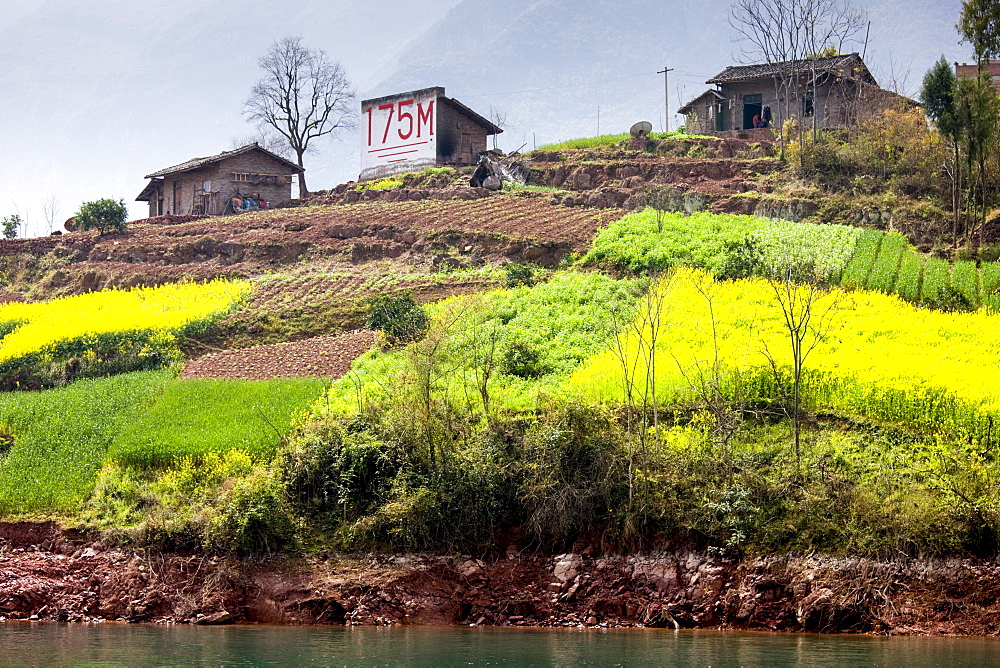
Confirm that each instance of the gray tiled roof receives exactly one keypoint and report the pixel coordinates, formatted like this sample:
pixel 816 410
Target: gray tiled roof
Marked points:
pixel 848 65
pixel 195 163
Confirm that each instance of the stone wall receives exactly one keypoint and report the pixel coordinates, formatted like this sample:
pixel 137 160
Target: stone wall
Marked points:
pixel 182 192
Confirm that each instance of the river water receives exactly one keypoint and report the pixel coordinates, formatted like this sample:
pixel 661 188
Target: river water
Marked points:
pixel 28 644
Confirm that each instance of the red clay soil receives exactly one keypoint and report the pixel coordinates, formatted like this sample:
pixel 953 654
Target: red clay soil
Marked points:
pixel 52 575
pixel 423 233
pixel 329 356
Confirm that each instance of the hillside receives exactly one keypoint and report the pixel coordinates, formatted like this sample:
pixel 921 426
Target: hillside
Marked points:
pixel 86 119
pixel 576 374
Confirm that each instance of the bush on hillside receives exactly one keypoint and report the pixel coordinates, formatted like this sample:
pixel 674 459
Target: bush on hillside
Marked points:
pixel 106 215
pixel 516 275
pixel 400 317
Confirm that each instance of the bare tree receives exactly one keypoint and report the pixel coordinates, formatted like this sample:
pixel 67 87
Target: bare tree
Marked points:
pixel 638 329
pixel 265 137
pixel 782 32
pixel 303 95
pixel 708 378
pixel 806 322
pixel 50 210
pixel 498 117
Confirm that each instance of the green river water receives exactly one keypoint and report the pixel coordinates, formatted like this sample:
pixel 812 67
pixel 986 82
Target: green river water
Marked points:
pixel 26 644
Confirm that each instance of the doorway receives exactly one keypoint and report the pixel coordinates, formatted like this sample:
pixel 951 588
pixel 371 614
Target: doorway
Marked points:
pixel 752 106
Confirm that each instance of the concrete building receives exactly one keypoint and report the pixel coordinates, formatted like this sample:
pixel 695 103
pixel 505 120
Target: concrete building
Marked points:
pixel 209 185
pixel 410 131
pixel 836 91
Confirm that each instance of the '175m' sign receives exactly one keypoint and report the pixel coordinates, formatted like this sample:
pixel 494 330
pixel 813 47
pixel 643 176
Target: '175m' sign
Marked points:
pixel 397 134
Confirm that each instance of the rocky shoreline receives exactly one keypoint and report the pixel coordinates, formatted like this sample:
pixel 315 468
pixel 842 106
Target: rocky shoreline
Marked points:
pixel 50 574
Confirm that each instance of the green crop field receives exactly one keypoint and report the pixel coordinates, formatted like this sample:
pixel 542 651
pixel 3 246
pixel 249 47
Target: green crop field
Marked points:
pixel 194 417
pixel 886 267
pixel 61 437
pixel 730 246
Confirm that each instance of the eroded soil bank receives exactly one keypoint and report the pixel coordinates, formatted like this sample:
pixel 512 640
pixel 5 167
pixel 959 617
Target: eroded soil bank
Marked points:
pixel 50 574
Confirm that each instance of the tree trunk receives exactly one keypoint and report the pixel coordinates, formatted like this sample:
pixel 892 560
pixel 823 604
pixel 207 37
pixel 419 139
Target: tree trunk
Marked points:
pixel 956 195
pixel 303 190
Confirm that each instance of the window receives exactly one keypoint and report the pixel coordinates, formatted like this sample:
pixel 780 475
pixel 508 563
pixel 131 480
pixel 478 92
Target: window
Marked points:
pixel 241 176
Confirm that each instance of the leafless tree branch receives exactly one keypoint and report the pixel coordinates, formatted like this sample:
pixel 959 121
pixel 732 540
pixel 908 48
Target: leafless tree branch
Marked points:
pixel 303 95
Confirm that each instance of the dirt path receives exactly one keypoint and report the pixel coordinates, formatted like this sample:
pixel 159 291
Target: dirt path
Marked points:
pixel 329 356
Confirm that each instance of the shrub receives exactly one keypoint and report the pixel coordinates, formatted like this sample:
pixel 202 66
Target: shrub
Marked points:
pixel 105 215
pixel 522 360
pixel 400 317
pixel 743 259
pixel 10 225
pixel 328 469
pixel 516 274
pixel 254 518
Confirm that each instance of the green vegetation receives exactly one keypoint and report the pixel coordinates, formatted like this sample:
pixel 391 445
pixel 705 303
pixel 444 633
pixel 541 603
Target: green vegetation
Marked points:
pixel 725 245
pixel 400 318
pixel 894 468
pixel 388 183
pixel 604 141
pixel 61 438
pixel 9 225
pixel 143 420
pixel 733 246
pixel 106 215
pixel 194 417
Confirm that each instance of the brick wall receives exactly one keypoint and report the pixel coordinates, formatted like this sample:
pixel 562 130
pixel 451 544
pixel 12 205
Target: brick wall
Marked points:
pixel 459 139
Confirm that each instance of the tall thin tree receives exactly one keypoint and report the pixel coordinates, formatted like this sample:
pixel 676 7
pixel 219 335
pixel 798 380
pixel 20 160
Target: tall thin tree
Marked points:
pixel 938 97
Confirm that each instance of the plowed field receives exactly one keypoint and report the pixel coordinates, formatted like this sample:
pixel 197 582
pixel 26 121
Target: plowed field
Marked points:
pixel 420 233
pixel 329 356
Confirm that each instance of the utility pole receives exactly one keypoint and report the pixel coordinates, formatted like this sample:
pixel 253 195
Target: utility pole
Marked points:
pixel 666 97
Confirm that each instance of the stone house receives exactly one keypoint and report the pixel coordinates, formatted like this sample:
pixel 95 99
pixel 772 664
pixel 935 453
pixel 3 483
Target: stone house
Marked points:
pixel 835 91
pixel 208 185
pixel 423 128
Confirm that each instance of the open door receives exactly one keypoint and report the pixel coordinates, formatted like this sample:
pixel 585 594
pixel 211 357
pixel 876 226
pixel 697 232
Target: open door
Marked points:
pixel 752 106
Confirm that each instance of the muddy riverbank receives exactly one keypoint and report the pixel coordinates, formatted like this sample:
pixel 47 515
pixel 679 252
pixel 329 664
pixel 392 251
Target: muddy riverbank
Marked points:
pixel 50 574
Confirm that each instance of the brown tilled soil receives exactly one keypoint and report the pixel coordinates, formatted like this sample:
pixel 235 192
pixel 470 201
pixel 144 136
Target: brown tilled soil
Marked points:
pixel 329 356
pixel 428 233
pixel 51 575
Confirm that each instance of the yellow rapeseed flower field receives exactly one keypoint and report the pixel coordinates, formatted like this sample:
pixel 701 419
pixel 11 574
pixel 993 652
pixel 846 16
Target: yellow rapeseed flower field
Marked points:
pixel 164 310
pixel 880 356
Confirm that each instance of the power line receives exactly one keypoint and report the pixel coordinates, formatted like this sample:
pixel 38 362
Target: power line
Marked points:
pixel 539 90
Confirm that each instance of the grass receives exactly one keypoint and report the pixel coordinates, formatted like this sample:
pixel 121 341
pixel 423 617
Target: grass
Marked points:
pixel 610 140
pixel 61 438
pixel 197 416
pixel 142 419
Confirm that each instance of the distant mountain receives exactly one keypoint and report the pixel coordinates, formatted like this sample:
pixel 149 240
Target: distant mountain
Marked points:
pixel 552 64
